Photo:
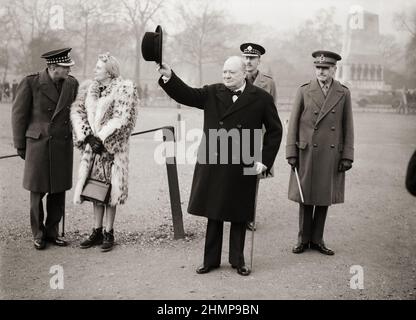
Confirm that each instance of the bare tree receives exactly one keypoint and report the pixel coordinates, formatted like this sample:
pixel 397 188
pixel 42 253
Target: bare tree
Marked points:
pixel 204 37
pixel 406 21
pixel 137 14
pixel 84 16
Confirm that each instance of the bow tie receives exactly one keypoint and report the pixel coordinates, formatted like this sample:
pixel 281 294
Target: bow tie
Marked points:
pixel 236 93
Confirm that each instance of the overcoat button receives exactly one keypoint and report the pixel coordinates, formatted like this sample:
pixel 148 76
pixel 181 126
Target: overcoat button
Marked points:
pixel 50 137
pixel 332 146
pixel 333 111
pixel 316 112
pixel 333 128
pixel 316 128
pixel 239 126
pixel 315 145
pixel 221 123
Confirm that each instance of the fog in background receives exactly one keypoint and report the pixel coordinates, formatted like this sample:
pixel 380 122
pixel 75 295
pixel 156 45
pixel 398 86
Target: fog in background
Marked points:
pixel 199 35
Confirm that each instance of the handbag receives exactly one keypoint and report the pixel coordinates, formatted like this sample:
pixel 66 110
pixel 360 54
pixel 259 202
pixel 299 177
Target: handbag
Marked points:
pixel 95 190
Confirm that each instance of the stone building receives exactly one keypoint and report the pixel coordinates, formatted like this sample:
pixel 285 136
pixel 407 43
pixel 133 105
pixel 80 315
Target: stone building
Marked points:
pixel 361 66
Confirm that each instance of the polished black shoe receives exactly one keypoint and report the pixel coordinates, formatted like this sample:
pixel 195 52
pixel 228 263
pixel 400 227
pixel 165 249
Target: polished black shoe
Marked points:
pixel 57 241
pixel 322 249
pixel 250 226
pixel 299 248
pixel 205 269
pixel 39 244
pixel 108 241
pixel 95 238
pixel 243 270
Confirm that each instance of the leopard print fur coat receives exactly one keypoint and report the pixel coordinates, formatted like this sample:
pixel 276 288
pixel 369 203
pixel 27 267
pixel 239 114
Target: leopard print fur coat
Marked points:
pixel 111 117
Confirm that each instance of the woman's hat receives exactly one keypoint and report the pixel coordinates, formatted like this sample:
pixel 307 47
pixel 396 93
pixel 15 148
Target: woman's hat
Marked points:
pixel 152 45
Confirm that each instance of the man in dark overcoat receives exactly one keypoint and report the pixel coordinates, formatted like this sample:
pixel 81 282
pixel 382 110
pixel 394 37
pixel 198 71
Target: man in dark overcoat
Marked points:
pixel 43 138
pixel 224 182
pixel 320 144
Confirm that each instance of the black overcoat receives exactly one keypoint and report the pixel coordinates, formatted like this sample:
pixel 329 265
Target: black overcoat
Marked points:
pixel 224 191
pixel 40 121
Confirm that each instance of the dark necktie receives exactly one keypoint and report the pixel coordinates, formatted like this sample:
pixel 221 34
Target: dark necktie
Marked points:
pixel 236 93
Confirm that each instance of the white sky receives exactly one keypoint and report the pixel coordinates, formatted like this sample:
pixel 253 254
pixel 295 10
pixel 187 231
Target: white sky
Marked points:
pixel 288 14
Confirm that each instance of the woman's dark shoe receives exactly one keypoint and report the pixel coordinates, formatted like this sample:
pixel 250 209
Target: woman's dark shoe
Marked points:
pixel 95 238
pixel 108 241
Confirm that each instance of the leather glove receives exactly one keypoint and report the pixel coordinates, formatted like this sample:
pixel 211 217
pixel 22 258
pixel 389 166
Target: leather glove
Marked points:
pixel 99 146
pixel 95 143
pixel 293 162
pixel 22 153
pixel 344 165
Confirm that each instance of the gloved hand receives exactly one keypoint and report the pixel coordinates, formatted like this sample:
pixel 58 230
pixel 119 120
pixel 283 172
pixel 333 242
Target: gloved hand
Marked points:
pixel 22 153
pixel 293 162
pixel 95 143
pixel 344 165
pixel 259 167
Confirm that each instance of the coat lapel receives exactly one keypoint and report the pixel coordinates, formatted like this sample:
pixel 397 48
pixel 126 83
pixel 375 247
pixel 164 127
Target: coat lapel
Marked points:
pixel 316 94
pixel 260 80
pixel 225 100
pixel 334 95
pixel 47 86
pixel 64 98
pixel 244 100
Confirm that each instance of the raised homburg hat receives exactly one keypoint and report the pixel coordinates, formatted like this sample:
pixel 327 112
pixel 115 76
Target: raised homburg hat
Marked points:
pixel 152 45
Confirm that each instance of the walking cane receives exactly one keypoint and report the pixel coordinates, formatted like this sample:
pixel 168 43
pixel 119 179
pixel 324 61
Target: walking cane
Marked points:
pixel 63 225
pixel 296 172
pixel 254 223
pixel 9 156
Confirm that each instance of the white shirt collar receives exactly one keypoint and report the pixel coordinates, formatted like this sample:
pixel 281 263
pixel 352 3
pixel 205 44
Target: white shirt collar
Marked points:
pixel 242 87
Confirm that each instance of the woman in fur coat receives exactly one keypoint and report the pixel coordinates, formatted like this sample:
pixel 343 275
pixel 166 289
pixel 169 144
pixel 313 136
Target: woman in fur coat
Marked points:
pixel 103 117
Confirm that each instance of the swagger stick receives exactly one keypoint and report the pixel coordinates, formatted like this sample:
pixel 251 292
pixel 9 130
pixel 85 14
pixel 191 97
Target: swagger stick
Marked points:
pixel 9 156
pixel 254 223
pixel 296 171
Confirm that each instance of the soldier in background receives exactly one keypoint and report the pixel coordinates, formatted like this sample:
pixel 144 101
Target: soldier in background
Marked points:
pixel 14 89
pixel 252 53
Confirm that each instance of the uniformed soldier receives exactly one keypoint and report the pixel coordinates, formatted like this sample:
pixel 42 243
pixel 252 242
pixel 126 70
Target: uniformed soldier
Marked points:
pixel 42 136
pixel 320 144
pixel 252 53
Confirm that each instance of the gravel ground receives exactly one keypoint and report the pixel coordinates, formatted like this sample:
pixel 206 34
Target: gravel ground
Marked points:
pixel 374 228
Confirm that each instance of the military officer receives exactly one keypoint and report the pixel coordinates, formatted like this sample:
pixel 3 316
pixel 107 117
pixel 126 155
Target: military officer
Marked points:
pixel 42 137
pixel 320 144
pixel 251 53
